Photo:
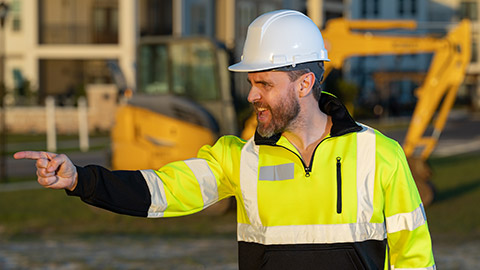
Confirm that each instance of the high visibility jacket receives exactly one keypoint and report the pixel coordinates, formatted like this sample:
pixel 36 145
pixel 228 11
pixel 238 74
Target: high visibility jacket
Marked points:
pixel 355 206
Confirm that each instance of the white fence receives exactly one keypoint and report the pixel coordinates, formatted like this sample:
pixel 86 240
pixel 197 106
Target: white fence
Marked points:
pixel 97 113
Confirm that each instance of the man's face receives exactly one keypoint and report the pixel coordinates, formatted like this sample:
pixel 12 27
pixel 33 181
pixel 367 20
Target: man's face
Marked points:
pixel 275 101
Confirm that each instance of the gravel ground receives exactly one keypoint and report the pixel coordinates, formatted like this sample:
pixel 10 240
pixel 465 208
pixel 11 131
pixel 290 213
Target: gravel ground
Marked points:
pixel 119 253
pixel 457 256
pixel 114 252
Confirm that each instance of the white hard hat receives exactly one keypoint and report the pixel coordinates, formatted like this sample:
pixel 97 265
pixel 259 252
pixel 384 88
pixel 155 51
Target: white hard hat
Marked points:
pixel 279 39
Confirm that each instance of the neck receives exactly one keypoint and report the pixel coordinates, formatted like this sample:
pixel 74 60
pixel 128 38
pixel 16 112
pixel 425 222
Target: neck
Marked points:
pixel 310 127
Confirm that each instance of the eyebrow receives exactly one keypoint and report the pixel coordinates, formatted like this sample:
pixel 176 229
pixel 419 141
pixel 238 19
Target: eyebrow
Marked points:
pixel 259 81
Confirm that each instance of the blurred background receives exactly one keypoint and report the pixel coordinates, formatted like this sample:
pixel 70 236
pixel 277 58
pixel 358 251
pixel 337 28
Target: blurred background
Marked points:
pixel 136 84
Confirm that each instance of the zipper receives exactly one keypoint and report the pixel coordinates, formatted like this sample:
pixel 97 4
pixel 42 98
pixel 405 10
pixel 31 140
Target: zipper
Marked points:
pixel 307 169
pixel 339 185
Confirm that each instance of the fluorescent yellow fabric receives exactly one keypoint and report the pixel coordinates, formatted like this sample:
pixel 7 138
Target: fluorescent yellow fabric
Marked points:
pixel 297 204
pixel 410 247
pixel 280 209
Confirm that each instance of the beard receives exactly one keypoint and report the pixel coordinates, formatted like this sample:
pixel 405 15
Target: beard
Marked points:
pixel 282 115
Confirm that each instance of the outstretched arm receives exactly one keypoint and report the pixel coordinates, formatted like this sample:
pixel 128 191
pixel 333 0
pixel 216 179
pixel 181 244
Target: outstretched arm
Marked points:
pixel 53 170
pixel 178 188
pixel 123 192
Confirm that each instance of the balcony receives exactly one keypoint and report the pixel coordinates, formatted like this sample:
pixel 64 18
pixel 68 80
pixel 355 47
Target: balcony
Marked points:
pixel 76 34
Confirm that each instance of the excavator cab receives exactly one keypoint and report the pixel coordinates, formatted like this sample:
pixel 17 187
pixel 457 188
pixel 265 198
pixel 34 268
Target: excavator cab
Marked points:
pixel 183 101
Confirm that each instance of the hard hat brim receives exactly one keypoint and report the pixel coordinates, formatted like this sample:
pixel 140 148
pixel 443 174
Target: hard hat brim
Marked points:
pixel 242 67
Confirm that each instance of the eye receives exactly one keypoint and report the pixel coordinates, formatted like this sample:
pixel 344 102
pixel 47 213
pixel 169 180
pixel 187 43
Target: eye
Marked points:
pixel 264 84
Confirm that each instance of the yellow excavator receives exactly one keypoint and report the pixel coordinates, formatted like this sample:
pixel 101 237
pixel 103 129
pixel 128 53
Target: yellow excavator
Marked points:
pixel 437 93
pixel 185 99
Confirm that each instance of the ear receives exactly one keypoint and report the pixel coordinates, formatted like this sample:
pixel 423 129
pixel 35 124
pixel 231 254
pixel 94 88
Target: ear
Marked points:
pixel 306 81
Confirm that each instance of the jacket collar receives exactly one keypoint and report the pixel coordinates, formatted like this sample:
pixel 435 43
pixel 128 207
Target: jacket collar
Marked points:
pixel 342 121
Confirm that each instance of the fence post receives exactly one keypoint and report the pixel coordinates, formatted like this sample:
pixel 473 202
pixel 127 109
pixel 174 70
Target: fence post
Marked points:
pixel 50 120
pixel 83 124
pixel 3 136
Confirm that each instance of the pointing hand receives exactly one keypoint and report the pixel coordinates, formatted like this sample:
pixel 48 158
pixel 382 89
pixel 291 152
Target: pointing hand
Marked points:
pixel 53 170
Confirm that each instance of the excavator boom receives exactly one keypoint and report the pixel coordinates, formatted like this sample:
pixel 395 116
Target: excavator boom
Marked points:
pixel 437 93
pixel 451 55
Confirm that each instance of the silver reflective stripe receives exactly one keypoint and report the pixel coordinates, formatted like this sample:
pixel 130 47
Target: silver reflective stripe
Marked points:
pixel 406 221
pixel 365 173
pixel 157 193
pixel 314 234
pixel 248 181
pixel 206 180
pixel 434 267
pixel 277 172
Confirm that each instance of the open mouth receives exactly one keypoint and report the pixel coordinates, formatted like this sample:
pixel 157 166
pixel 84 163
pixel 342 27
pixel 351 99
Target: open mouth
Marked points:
pixel 262 114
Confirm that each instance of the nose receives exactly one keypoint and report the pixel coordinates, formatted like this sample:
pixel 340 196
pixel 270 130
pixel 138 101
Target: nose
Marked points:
pixel 253 95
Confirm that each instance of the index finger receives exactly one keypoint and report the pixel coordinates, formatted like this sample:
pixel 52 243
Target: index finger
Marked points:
pixel 29 155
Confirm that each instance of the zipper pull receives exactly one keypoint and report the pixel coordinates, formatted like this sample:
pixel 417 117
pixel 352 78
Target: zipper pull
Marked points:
pixel 307 171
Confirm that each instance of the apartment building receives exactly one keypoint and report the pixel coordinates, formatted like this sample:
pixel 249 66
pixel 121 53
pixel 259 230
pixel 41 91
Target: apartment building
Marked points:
pixel 433 17
pixel 57 47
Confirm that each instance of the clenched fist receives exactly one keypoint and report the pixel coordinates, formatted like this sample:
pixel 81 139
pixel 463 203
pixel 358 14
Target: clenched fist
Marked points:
pixel 53 170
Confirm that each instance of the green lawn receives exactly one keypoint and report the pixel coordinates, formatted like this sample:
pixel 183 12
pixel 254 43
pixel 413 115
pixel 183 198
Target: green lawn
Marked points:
pixel 456 209
pixel 65 143
pixel 44 212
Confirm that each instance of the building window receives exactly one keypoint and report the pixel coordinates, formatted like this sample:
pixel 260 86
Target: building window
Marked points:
pixel 155 17
pixel 198 18
pixel 413 7
pixel 407 8
pixel 105 24
pixel 66 79
pixel 78 21
pixel 468 10
pixel 369 8
pixel 375 8
pixel 400 7
pixel 363 8
pixel 16 16
pixel 474 57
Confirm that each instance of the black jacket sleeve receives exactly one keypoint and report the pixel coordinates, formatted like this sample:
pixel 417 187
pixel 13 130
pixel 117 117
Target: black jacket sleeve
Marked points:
pixel 123 192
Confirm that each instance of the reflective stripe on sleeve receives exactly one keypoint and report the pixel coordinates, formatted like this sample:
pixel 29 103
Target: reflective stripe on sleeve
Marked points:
pixel 365 173
pixel 426 268
pixel 157 193
pixel 406 221
pixel 206 180
pixel 248 181
pixel 311 234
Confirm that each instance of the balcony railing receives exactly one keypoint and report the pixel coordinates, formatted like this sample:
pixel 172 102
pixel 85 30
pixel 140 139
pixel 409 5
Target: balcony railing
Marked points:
pixel 76 34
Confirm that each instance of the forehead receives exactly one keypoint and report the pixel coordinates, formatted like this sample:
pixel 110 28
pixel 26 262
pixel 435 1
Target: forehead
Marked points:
pixel 268 76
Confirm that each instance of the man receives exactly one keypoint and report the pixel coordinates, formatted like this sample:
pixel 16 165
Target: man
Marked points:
pixel 314 189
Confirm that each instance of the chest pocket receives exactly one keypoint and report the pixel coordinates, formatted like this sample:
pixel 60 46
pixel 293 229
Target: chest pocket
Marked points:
pixel 277 172
pixel 286 196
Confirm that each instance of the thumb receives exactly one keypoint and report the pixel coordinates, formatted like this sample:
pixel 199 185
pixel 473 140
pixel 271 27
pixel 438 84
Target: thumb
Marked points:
pixel 55 162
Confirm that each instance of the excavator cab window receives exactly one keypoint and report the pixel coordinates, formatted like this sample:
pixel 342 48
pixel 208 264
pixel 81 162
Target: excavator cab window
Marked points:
pixel 153 63
pixel 182 68
pixel 193 70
